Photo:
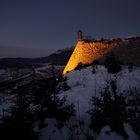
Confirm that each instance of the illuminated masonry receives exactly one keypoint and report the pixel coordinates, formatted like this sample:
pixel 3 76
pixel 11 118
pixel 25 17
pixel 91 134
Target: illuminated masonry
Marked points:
pixel 86 52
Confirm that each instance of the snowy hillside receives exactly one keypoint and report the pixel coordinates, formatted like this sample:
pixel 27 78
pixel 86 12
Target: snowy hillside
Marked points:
pixel 50 117
pixel 83 85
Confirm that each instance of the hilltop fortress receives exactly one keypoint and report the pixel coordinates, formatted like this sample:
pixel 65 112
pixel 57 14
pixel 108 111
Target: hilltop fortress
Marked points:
pixel 87 51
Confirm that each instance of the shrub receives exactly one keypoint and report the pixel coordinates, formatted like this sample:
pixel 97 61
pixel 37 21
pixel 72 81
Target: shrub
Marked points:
pixel 112 64
pixel 109 109
pixel 81 65
pixel 114 109
pixel 134 110
pixel 95 62
pixel 20 124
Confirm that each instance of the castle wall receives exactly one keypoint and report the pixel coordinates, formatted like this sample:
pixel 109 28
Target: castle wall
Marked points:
pixel 87 52
pixel 127 51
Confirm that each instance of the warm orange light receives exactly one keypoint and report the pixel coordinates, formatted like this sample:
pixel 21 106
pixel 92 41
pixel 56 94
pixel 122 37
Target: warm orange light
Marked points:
pixel 87 52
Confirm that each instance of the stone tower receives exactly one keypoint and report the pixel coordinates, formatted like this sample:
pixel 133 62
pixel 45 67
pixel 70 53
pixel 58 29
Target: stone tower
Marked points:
pixel 79 35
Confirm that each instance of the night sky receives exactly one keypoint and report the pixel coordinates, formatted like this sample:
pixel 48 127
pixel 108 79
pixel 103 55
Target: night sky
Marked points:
pixel 33 28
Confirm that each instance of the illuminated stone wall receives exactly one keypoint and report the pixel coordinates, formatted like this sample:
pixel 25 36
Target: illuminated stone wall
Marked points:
pixel 86 52
pixel 127 51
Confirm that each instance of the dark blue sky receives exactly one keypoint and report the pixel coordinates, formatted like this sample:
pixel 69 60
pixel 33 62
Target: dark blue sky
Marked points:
pixel 48 25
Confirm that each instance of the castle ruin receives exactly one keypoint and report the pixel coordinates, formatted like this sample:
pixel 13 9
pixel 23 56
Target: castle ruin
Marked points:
pixel 86 52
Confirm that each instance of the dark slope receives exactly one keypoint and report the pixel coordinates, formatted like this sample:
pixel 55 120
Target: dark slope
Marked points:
pixel 59 58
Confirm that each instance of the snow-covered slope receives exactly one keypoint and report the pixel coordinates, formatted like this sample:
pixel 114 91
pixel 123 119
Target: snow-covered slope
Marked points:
pixel 83 85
